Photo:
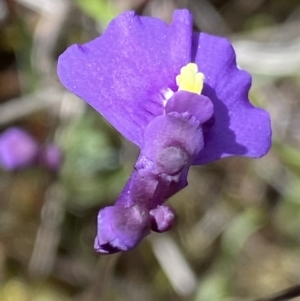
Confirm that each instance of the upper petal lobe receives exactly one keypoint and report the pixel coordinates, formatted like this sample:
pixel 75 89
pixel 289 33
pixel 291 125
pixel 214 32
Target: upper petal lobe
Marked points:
pixel 237 128
pixel 122 73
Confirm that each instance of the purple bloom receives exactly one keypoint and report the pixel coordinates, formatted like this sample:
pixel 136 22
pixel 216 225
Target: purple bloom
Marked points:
pixel 18 149
pixel 50 156
pixel 175 93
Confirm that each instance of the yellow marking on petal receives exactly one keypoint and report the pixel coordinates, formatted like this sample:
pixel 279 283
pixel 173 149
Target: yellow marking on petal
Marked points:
pixel 190 79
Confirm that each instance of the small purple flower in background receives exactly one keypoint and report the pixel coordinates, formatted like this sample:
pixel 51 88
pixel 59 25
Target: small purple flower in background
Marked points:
pixel 50 156
pixel 175 93
pixel 18 149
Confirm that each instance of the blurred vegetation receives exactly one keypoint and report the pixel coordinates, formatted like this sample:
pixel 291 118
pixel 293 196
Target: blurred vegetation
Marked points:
pixel 237 231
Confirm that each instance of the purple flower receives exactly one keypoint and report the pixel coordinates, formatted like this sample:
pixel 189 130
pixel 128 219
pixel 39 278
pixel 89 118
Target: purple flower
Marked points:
pixel 18 149
pixel 175 93
pixel 50 156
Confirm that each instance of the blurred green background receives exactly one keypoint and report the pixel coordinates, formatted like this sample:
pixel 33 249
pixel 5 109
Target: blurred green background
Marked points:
pixel 237 235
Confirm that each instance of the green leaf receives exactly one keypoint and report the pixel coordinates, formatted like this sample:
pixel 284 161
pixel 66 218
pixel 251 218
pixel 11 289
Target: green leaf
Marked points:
pixel 99 10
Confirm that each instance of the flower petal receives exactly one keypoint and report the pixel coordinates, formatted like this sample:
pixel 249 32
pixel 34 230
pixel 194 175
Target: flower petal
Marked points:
pixel 172 130
pixel 123 72
pixel 120 228
pixel 192 104
pixel 238 128
pixel 162 218
pixel 18 149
